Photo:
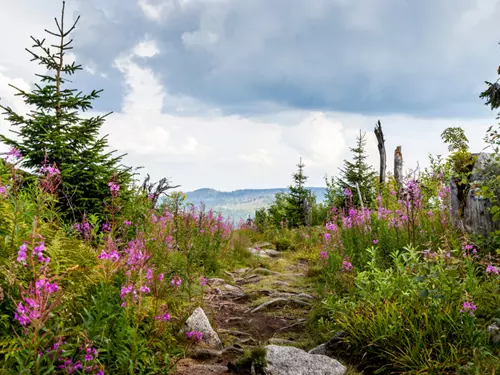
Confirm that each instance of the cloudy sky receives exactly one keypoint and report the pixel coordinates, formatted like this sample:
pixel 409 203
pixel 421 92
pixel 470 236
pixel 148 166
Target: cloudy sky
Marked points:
pixel 229 94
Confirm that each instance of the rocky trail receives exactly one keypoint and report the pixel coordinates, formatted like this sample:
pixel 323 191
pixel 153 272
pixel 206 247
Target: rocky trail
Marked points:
pixel 256 307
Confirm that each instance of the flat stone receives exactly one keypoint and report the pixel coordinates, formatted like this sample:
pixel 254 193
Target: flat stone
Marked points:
pixel 276 341
pixel 280 302
pixel 241 270
pixel 263 244
pixel 271 253
pixel 248 280
pixel 232 288
pixel 287 360
pixel 282 283
pixel 198 321
pixel 264 271
pixel 215 281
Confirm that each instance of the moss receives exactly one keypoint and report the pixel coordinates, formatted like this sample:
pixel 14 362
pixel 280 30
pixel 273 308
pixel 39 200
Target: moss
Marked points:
pixel 255 358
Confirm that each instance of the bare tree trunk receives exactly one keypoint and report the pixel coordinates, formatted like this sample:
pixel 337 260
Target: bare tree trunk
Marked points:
pixel 398 167
pixel 381 149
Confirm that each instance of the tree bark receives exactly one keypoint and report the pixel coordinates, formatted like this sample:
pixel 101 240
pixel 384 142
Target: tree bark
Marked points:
pixel 381 149
pixel 398 168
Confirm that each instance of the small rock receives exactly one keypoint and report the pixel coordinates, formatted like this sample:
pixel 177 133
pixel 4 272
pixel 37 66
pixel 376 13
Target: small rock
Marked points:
pixel 280 301
pixel 198 321
pixel 330 347
pixel 305 295
pixel 215 281
pixel 494 331
pixel 271 253
pixel 263 244
pixel 249 279
pixel 275 341
pixel 232 288
pixel 241 270
pixel 264 271
pixel 287 360
pixel 282 283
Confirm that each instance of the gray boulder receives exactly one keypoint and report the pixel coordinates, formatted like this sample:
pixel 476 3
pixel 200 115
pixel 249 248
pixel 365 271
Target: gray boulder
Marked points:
pixel 199 322
pixel 287 360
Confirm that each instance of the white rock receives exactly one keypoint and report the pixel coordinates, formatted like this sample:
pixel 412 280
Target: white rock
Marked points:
pixel 287 360
pixel 198 321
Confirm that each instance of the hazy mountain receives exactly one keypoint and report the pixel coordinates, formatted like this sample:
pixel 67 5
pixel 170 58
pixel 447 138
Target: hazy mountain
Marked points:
pixel 239 204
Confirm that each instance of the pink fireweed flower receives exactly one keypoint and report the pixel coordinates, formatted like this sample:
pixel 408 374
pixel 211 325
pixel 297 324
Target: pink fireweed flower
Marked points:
pixel 469 251
pixel 468 307
pixel 126 290
pixel 38 252
pixel 21 254
pixel 347 193
pixel 165 317
pixel 375 241
pixel 113 188
pixel 203 280
pixel 194 335
pixel 144 289
pixel 13 155
pixel 160 277
pixel 492 269
pixel 149 274
pixel 331 227
pixel 323 255
pixel 346 266
pixel 176 282
pixel 3 190
pixel 106 227
pixel 327 237
pixel 127 223
pixel 50 171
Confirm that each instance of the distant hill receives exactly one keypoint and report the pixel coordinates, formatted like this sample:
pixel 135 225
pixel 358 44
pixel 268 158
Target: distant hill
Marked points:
pixel 239 204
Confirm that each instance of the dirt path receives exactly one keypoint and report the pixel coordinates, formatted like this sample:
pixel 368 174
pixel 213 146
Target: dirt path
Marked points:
pixel 252 307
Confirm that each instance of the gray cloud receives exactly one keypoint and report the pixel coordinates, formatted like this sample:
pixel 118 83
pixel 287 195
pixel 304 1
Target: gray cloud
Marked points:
pixel 425 57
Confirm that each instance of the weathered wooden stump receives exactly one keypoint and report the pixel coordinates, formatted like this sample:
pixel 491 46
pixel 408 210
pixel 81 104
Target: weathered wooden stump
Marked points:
pixel 469 209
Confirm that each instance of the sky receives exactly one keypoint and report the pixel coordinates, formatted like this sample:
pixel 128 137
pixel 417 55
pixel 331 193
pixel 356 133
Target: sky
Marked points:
pixel 229 94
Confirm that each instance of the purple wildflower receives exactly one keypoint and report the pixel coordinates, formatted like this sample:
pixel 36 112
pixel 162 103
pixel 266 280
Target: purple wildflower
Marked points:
pixel 194 335
pixel 492 269
pixel 176 281
pixel 468 307
pixel 203 280
pixel 21 254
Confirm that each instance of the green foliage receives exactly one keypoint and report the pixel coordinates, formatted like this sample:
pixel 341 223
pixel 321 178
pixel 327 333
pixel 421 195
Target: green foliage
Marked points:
pixel 54 133
pixel 294 208
pixel 354 175
pixel 490 187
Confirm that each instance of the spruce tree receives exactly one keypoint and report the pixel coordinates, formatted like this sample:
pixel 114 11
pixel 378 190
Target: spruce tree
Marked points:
pixel 55 129
pixel 357 173
pixel 298 198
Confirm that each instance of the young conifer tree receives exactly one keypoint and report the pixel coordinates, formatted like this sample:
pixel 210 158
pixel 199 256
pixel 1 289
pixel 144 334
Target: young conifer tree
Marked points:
pixel 299 198
pixel 354 174
pixel 56 130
